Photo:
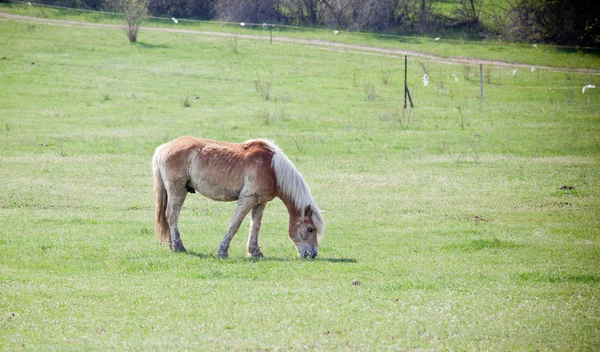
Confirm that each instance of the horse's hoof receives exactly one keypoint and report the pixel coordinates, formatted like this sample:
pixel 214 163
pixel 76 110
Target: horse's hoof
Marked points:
pixel 178 248
pixel 257 254
pixel 222 255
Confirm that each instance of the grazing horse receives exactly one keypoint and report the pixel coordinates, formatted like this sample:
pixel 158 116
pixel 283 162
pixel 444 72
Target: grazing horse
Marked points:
pixel 251 173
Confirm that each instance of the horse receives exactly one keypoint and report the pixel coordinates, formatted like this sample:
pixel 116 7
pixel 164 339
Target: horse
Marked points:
pixel 252 173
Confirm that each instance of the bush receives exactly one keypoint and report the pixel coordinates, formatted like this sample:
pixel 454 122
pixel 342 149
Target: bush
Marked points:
pixel 136 12
pixel 251 11
pixel 198 9
pixel 563 22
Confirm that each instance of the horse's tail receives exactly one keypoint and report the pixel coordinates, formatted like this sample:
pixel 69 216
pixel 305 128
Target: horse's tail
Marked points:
pixel 161 226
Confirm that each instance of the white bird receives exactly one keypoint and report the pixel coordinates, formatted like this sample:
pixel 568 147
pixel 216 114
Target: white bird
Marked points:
pixel 29 3
pixel 242 24
pixel 455 78
pixel 515 71
pixel 335 32
pixel 587 87
pixel 436 39
pixel 425 80
pixel 532 68
pixel 174 20
pixel 535 46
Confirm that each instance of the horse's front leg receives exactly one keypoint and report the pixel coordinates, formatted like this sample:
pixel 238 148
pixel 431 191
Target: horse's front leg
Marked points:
pixel 257 213
pixel 243 207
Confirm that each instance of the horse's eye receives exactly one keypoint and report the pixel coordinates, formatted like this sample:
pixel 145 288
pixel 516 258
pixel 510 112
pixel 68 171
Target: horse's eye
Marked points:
pixel 310 229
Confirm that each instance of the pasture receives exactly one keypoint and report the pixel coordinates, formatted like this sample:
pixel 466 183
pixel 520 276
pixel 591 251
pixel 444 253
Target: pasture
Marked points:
pixel 460 224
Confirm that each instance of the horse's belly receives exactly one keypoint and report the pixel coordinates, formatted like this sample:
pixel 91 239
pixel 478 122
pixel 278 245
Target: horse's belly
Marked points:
pixel 217 192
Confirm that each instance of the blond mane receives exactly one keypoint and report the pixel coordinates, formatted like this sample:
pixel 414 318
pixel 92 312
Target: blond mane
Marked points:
pixel 291 183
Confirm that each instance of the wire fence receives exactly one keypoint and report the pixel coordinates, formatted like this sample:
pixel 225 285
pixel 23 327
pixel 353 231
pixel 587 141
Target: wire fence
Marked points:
pixel 506 69
pixel 315 29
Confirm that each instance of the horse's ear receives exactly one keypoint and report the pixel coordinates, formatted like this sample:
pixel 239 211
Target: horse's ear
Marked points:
pixel 308 211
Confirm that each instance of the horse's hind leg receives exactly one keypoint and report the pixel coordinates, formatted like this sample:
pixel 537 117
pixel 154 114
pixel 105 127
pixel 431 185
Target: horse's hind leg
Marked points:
pixel 174 204
pixel 257 213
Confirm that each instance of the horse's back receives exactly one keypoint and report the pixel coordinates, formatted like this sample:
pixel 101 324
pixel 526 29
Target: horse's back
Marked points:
pixel 219 170
pixel 250 148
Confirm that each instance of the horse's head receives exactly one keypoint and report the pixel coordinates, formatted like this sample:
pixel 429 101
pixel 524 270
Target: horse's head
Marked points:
pixel 306 222
pixel 304 233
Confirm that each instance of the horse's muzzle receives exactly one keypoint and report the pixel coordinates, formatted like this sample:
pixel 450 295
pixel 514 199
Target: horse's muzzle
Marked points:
pixel 309 254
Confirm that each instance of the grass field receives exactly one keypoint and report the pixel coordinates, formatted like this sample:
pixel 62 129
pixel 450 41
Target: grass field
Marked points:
pixel 463 224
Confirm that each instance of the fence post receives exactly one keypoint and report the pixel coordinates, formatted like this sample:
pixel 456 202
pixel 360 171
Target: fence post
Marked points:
pixel 481 82
pixel 406 91
pixel 405 69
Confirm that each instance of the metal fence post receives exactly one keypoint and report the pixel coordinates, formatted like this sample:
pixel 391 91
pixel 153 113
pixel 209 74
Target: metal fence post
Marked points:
pixel 481 82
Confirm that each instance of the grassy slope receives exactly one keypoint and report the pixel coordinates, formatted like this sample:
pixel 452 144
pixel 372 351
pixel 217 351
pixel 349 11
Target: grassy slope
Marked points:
pixel 456 228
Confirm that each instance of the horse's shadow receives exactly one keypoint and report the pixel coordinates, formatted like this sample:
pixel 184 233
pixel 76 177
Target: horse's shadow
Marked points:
pixel 272 259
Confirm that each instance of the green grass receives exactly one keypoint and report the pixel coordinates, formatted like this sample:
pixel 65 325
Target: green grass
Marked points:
pixel 457 228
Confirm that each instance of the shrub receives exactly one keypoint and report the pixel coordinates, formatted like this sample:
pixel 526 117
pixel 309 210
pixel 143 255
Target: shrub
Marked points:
pixel 136 12
pixel 263 87
pixel 564 22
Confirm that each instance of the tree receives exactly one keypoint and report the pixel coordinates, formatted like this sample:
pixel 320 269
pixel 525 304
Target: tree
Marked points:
pixel 251 11
pixel 198 9
pixel 564 22
pixel 470 10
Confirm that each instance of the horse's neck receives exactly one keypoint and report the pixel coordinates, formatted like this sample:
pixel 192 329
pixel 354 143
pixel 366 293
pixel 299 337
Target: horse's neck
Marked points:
pixel 291 207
